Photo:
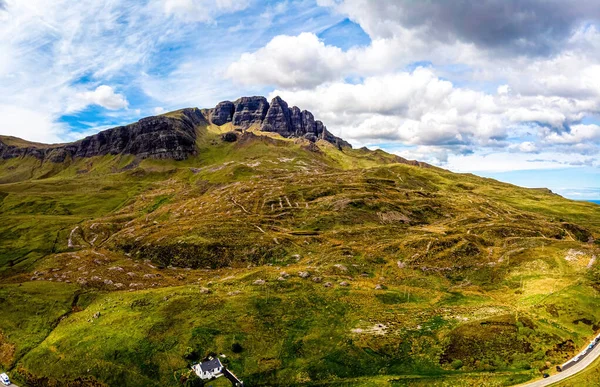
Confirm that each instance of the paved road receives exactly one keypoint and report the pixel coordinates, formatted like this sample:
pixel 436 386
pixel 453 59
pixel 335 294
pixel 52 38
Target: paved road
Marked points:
pixel 581 365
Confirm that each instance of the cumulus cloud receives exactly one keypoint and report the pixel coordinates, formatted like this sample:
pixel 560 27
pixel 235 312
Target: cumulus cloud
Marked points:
pixel 577 134
pixel 529 27
pixel 289 61
pixel 525 147
pixel 420 109
pixel 104 96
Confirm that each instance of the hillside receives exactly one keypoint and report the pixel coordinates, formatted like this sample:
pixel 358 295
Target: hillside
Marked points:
pixel 249 230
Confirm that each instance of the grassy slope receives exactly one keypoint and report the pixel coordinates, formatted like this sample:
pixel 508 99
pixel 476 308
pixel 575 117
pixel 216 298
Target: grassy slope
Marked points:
pixel 473 271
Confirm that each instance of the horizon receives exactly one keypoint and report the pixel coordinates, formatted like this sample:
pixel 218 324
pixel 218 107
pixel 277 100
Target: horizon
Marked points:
pixel 517 102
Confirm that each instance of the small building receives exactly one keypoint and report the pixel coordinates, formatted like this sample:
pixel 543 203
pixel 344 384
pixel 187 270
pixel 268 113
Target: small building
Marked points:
pixel 212 368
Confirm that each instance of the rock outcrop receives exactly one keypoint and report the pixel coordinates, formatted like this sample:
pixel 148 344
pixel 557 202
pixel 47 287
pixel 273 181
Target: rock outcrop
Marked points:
pixel 173 135
pixel 249 111
pixel 275 117
pixel 222 113
pixel 163 137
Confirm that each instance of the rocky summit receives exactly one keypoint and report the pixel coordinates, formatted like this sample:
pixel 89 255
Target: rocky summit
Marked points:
pixel 173 135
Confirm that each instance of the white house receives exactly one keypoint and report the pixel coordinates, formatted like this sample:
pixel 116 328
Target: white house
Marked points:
pixel 209 369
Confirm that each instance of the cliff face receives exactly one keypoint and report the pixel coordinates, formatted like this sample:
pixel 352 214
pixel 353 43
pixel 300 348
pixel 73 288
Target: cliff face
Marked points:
pixel 275 117
pixel 173 136
pixel 160 137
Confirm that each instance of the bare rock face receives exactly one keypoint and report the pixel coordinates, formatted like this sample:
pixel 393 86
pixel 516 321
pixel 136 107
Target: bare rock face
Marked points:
pixel 308 122
pixel 278 118
pixel 296 123
pixel 249 111
pixel 222 113
pixel 160 137
pixel 275 117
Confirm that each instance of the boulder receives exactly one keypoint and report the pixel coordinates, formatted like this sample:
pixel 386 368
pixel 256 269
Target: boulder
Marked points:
pixel 230 137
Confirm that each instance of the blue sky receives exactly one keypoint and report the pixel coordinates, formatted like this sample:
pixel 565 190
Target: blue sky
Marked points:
pixel 516 97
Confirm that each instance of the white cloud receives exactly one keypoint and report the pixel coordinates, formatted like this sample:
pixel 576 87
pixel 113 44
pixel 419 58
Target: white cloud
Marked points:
pixel 289 61
pixel 525 147
pixel 104 96
pixel 158 110
pixel 30 124
pixel 503 89
pixel 415 108
pixel 578 134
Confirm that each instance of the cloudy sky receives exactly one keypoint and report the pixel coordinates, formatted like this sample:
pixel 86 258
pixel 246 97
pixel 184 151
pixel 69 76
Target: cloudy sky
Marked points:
pixel 503 88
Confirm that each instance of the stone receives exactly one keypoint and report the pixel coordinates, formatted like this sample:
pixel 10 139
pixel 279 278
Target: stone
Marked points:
pixel 317 279
pixel 308 123
pixel 249 111
pixel 344 283
pixel 303 274
pixel 296 124
pixel 97 315
pixel 327 284
pixel 161 137
pixel 278 118
pixel 259 282
pixel 230 137
pixel 222 113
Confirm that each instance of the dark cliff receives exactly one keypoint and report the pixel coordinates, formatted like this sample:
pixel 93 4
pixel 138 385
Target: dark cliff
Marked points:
pixel 275 117
pixel 173 135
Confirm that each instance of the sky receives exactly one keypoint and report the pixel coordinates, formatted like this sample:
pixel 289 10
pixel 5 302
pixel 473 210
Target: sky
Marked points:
pixel 508 89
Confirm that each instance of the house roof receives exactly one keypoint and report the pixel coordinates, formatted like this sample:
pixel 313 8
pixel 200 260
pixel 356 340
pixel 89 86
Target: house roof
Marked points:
pixel 210 365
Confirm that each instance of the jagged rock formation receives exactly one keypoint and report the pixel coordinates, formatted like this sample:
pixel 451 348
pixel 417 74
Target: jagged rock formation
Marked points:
pixel 249 111
pixel 275 117
pixel 222 113
pixel 173 135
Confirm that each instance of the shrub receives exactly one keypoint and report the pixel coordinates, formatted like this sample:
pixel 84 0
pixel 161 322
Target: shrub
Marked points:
pixel 457 364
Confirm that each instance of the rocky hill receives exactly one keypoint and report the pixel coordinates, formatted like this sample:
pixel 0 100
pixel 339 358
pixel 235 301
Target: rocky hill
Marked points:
pixel 248 230
pixel 173 135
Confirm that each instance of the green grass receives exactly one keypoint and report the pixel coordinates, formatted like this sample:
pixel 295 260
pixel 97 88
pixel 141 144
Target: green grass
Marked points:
pixel 29 313
pixel 476 288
